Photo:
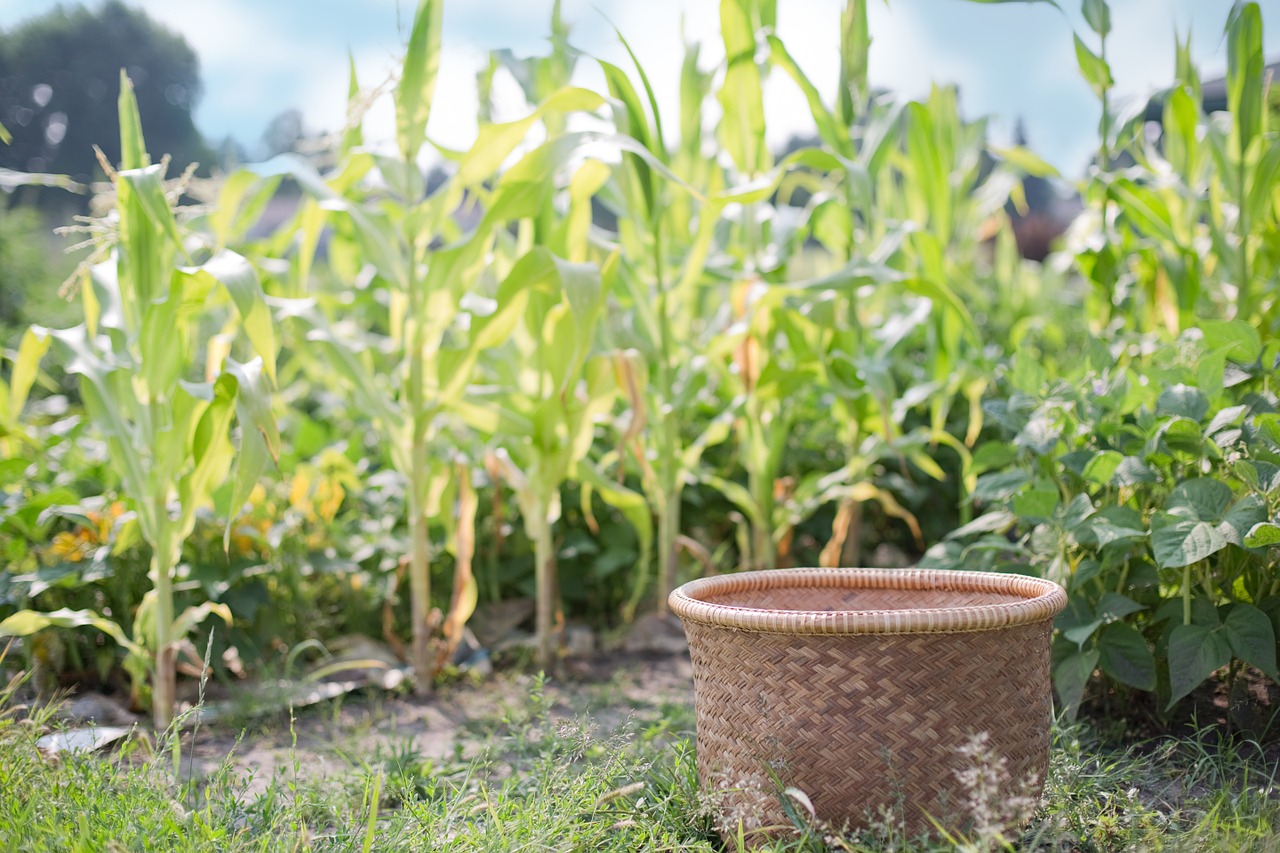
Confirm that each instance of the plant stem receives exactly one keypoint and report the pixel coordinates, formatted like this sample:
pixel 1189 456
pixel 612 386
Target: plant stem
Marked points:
pixel 420 585
pixel 668 555
pixel 164 686
pixel 1186 594
pixel 545 578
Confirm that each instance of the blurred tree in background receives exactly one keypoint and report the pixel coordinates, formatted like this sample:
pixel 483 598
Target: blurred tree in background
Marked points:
pixel 60 78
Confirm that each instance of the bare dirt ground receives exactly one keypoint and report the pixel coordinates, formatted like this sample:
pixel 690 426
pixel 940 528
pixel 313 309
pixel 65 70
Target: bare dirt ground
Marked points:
pixel 327 739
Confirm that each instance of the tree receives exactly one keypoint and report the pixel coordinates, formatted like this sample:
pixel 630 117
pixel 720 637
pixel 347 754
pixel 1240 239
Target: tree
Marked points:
pixel 60 80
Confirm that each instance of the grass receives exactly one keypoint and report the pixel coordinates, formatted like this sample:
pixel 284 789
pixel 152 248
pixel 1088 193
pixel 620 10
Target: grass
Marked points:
pixel 536 779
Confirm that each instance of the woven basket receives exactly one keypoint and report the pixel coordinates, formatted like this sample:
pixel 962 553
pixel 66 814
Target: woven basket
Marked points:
pixel 863 688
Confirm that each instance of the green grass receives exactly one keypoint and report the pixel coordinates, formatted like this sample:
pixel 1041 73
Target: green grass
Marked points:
pixel 539 780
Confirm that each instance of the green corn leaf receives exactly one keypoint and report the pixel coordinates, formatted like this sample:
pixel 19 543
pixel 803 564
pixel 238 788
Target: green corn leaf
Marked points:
pixel 27 622
pixel 5 137
pixel 147 188
pixel 189 618
pixel 634 509
pixel 1266 177
pixel 1245 67
pixel 1146 210
pixel 829 128
pixel 211 452
pixel 1095 71
pixel 237 275
pixel 1195 653
pixel 259 437
pixel 741 95
pixel 495 142
pixel 11 180
pixel 1025 161
pixel 133 149
pixel 31 349
pixel 353 135
pixel 855 46
pixel 738 496
pixel 658 144
pixel 417 85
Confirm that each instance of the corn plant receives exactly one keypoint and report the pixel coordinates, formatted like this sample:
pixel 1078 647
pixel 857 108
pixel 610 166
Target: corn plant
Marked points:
pixel 138 355
pixel 414 357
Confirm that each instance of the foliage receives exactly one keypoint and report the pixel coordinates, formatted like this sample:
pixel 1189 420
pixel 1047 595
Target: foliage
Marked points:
pixel 597 340
pixel 539 782
pixel 1144 480
pixel 59 82
pixel 30 273
pixel 168 435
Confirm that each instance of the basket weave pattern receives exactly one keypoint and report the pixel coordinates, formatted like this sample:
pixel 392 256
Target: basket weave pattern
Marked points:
pixel 860 686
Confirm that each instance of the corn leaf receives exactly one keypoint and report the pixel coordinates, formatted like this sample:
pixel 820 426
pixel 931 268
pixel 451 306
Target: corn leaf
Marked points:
pixel 27 622
pixel 417 86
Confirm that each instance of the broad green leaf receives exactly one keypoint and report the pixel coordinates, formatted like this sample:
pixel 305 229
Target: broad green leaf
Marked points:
pixel 27 622
pixel 417 85
pixel 1095 71
pixel 1237 340
pixel 1195 653
pixel 1243 516
pixel 1001 485
pixel 1132 471
pixel 1183 401
pixel 1251 637
pixel 992 522
pixel 1262 535
pixel 1179 542
pixel 1102 467
pixel 1125 656
pixel 1202 499
pixel 1070 677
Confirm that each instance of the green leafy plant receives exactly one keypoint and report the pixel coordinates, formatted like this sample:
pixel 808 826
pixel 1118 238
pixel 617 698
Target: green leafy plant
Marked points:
pixel 146 304
pixel 1148 488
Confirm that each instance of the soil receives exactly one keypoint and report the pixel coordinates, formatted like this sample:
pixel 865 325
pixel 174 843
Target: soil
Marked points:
pixel 324 740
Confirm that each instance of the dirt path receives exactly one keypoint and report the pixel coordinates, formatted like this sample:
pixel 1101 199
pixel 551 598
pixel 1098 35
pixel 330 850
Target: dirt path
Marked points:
pixel 328 739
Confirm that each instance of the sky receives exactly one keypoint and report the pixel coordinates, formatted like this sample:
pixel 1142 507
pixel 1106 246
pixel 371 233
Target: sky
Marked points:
pixel 1010 61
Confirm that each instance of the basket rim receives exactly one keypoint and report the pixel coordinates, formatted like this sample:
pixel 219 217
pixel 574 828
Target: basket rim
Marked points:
pixel 1038 600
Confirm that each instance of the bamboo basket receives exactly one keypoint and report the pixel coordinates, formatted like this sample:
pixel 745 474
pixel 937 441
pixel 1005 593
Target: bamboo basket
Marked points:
pixel 863 688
